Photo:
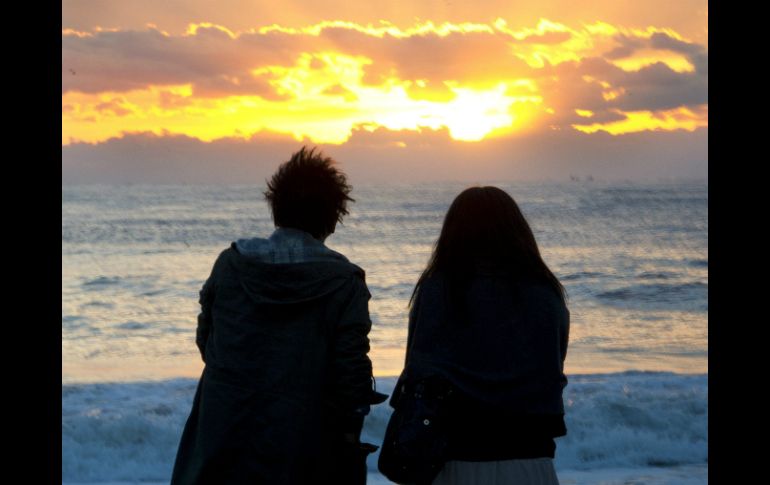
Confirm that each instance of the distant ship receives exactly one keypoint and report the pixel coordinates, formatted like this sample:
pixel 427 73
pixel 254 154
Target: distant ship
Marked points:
pixel 575 178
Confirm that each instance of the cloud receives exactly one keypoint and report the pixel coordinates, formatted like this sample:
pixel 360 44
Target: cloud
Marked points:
pixel 697 54
pixel 151 158
pixel 209 58
pixel 340 90
pixel 333 75
pixel 598 85
pixel 169 100
pixel 689 17
pixel 653 87
pixel 115 106
pixel 377 154
pixel 475 58
pixel 212 55
pixel 217 63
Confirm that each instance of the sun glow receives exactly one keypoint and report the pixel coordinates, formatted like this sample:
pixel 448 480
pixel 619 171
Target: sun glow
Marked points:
pixel 322 97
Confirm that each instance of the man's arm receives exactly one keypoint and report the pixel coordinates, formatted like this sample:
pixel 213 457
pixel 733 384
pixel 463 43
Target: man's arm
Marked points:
pixel 206 300
pixel 352 389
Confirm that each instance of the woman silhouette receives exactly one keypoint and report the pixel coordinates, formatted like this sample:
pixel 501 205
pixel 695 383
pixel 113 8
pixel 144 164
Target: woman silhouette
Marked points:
pixel 489 317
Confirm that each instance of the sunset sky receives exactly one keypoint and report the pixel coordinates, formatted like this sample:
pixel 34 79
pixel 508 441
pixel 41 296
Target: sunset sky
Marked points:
pixel 198 91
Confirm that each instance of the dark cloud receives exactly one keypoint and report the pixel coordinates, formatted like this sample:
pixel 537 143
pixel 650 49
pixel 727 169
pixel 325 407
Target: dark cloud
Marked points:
pixel 219 86
pixel 126 60
pixel 658 87
pixel 627 45
pixel 149 158
pixel 653 87
pixel 695 53
pixel 578 85
pixel 620 52
pixel 385 155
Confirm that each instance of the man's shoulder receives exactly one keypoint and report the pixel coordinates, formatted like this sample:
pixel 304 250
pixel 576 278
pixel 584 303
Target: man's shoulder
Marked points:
pixel 339 266
pixel 225 255
pixel 358 271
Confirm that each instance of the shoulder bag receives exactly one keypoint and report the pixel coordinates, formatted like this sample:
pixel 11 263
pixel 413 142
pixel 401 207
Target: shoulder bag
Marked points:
pixel 416 438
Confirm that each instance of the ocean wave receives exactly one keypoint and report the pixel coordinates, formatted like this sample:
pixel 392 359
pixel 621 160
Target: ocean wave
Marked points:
pixel 130 431
pixel 398 289
pixel 656 275
pixel 660 296
pixel 74 322
pixel 103 281
pixel 132 326
pixel 99 304
pixel 581 275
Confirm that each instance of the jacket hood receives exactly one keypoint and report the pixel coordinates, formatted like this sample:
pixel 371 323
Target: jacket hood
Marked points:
pixel 287 245
pixel 289 267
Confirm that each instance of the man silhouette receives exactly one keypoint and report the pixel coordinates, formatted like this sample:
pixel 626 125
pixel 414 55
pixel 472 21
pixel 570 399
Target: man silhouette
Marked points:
pixel 283 332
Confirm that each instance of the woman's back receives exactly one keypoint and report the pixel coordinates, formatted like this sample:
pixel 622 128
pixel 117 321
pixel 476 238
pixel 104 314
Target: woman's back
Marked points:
pixel 502 345
pixel 498 333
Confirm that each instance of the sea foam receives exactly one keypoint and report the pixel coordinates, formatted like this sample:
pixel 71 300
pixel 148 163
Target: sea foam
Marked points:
pixel 130 431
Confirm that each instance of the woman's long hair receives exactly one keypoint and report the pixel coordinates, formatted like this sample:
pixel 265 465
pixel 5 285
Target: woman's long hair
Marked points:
pixel 484 228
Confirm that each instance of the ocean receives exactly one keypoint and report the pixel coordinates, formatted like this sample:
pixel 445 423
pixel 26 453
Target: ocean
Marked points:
pixel 633 258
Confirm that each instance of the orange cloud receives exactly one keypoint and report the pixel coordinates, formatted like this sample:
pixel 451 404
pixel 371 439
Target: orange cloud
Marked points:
pixel 635 121
pixel 320 81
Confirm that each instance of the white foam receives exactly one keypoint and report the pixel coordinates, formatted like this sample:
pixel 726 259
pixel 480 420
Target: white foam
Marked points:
pixel 653 424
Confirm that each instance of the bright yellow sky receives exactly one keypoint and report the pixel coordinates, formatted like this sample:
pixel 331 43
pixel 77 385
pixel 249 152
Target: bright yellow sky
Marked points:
pixel 323 79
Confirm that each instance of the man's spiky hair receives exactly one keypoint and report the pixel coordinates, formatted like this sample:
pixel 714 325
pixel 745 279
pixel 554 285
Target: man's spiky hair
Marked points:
pixel 308 193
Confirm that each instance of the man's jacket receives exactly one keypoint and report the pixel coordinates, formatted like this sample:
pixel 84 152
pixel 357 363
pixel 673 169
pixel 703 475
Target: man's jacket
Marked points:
pixel 283 331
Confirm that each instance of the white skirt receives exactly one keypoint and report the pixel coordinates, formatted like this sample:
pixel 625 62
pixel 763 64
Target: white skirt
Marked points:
pixel 534 471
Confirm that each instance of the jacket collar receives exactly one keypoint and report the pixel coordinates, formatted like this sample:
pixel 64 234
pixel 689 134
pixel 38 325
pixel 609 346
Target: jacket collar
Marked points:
pixel 287 245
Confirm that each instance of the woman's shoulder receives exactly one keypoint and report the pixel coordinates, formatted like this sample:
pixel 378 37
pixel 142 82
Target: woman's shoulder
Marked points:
pixel 491 283
pixel 493 277
pixel 520 293
pixel 543 299
pixel 538 288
